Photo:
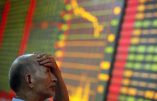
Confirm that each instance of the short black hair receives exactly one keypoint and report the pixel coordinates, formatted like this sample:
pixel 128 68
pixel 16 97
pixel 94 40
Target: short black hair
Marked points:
pixel 17 72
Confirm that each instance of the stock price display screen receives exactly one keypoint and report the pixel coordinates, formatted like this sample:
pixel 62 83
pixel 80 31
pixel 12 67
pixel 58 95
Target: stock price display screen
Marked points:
pixel 11 32
pixel 44 31
pixel 134 76
pixel 85 47
pixel 103 54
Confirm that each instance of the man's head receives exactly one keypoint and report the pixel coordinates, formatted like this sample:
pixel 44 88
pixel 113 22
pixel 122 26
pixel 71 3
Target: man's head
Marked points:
pixel 28 76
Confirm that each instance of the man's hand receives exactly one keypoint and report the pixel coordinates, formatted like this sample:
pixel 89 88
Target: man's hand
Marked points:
pixel 48 61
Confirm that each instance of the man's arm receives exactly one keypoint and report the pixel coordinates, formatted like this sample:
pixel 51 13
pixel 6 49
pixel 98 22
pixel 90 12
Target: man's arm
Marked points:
pixel 61 93
pixel 61 90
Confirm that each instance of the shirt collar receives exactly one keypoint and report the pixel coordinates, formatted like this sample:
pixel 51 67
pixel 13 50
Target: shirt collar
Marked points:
pixel 15 99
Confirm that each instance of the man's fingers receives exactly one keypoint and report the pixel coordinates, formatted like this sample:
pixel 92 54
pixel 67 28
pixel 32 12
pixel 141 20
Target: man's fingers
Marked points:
pixel 44 61
pixel 41 55
pixel 47 60
pixel 48 64
pixel 42 58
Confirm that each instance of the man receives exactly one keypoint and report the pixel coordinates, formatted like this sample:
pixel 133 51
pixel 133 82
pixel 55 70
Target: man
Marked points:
pixel 36 77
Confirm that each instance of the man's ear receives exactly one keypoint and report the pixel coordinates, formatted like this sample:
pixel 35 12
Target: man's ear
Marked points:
pixel 29 80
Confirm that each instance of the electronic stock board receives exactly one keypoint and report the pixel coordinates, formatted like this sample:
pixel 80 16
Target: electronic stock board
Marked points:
pixel 134 75
pixel 103 54
pixel 86 46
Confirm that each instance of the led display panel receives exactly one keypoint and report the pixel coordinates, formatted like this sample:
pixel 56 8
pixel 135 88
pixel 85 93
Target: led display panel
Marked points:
pixel 134 76
pixel 85 47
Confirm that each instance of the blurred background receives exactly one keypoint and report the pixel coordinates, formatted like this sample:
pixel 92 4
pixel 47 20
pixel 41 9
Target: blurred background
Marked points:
pixel 106 49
